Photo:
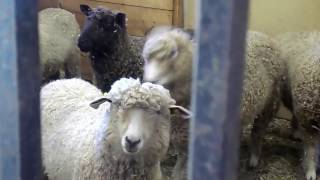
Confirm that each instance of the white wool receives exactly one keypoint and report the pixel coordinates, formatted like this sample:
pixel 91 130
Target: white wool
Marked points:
pixel 263 71
pixel 300 51
pixel 58 34
pixel 74 135
pixel 160 90
pixel 121 86
pixel 65 108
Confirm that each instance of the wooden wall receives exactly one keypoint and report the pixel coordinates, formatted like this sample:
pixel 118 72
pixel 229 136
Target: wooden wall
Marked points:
pixel 142 14
pixel 42 4
pixel 190 7
pixel 273 16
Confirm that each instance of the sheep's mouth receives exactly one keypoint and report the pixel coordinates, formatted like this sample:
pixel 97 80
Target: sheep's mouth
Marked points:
pixel 161 81
pixel 84 48
pixel 130 151
pixel 156 81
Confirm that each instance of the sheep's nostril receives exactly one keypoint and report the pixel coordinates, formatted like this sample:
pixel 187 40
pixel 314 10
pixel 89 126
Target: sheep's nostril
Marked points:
pixel 132 143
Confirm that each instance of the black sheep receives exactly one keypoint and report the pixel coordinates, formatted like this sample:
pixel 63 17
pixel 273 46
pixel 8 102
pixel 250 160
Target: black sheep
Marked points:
pixel 112 54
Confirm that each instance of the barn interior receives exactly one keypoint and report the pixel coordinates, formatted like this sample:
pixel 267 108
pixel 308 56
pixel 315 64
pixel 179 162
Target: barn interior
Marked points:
pixel 282 154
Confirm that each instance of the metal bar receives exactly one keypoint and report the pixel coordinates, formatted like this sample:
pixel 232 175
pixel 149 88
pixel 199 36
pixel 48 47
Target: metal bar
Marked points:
pixel 217 87
pixel 9 105
pixel 29 88
pixel 19 89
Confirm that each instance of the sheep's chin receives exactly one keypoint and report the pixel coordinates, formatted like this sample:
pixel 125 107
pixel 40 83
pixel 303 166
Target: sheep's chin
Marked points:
pixel 130 152
pixel 156 75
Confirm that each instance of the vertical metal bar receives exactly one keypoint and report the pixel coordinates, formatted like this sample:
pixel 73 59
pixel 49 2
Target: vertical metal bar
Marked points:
pixel 19 89
pixel 9 105
pixel 29 88
pixel 217 87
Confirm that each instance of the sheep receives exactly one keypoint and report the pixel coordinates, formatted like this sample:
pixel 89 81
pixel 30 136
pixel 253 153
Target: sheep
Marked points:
pixel 168 59
pixel 300 52
pixel 59 54
pixel 112 54
pixel 85 138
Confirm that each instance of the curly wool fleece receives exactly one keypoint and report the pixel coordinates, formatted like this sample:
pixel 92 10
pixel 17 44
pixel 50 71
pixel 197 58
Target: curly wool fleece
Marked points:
pixel 131 92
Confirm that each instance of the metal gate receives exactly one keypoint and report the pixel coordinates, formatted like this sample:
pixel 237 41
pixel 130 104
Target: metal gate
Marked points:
pixel 217 86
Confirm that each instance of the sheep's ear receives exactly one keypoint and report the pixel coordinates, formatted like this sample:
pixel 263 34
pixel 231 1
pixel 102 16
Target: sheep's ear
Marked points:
pixel 95 104
pixel 186 114
pixel 121 19
pixel 85 9
pixel 173 53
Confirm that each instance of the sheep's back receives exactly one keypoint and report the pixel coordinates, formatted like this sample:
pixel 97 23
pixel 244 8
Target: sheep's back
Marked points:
pixel 263 70
pixel 69 126
pixel 301 53
pixel 58 33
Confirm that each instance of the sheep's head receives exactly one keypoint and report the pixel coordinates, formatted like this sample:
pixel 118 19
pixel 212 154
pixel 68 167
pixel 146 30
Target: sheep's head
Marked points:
pixel 168 54
pixel 100 28
pixel 142 115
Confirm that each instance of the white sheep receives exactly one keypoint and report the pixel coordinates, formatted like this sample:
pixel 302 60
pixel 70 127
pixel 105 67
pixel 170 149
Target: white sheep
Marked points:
pixel 301 54
pixel 125 139
pixel 59 54
pixel 168 55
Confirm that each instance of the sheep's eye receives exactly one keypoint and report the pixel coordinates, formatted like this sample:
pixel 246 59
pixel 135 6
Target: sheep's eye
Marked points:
pixel 173 54
pixel 90 18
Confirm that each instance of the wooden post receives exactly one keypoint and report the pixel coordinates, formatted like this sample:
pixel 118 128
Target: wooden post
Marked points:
pixel 217 86
pixel 178 16
pixel 19 88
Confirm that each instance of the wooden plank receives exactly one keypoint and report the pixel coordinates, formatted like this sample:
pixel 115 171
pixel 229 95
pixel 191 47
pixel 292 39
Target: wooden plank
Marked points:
pixel 9 104
pixel 217 85
pixel 189 12
pixel 42 4
pixel 80 18
pixel 28 89
pixel 85 66
pixel 178 13
pixel 156 4
pixel 139 19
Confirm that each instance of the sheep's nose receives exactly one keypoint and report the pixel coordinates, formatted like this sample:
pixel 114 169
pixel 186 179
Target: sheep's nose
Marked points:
pixel 81 41
pixel 132 143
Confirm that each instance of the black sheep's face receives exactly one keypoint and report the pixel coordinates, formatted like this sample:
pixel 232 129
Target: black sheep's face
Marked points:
pixel 100 28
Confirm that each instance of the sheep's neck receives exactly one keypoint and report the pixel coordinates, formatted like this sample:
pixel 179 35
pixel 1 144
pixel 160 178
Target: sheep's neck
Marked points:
pixel 131 169
pixel 118 43
pixel 181 90
pixel 112 62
